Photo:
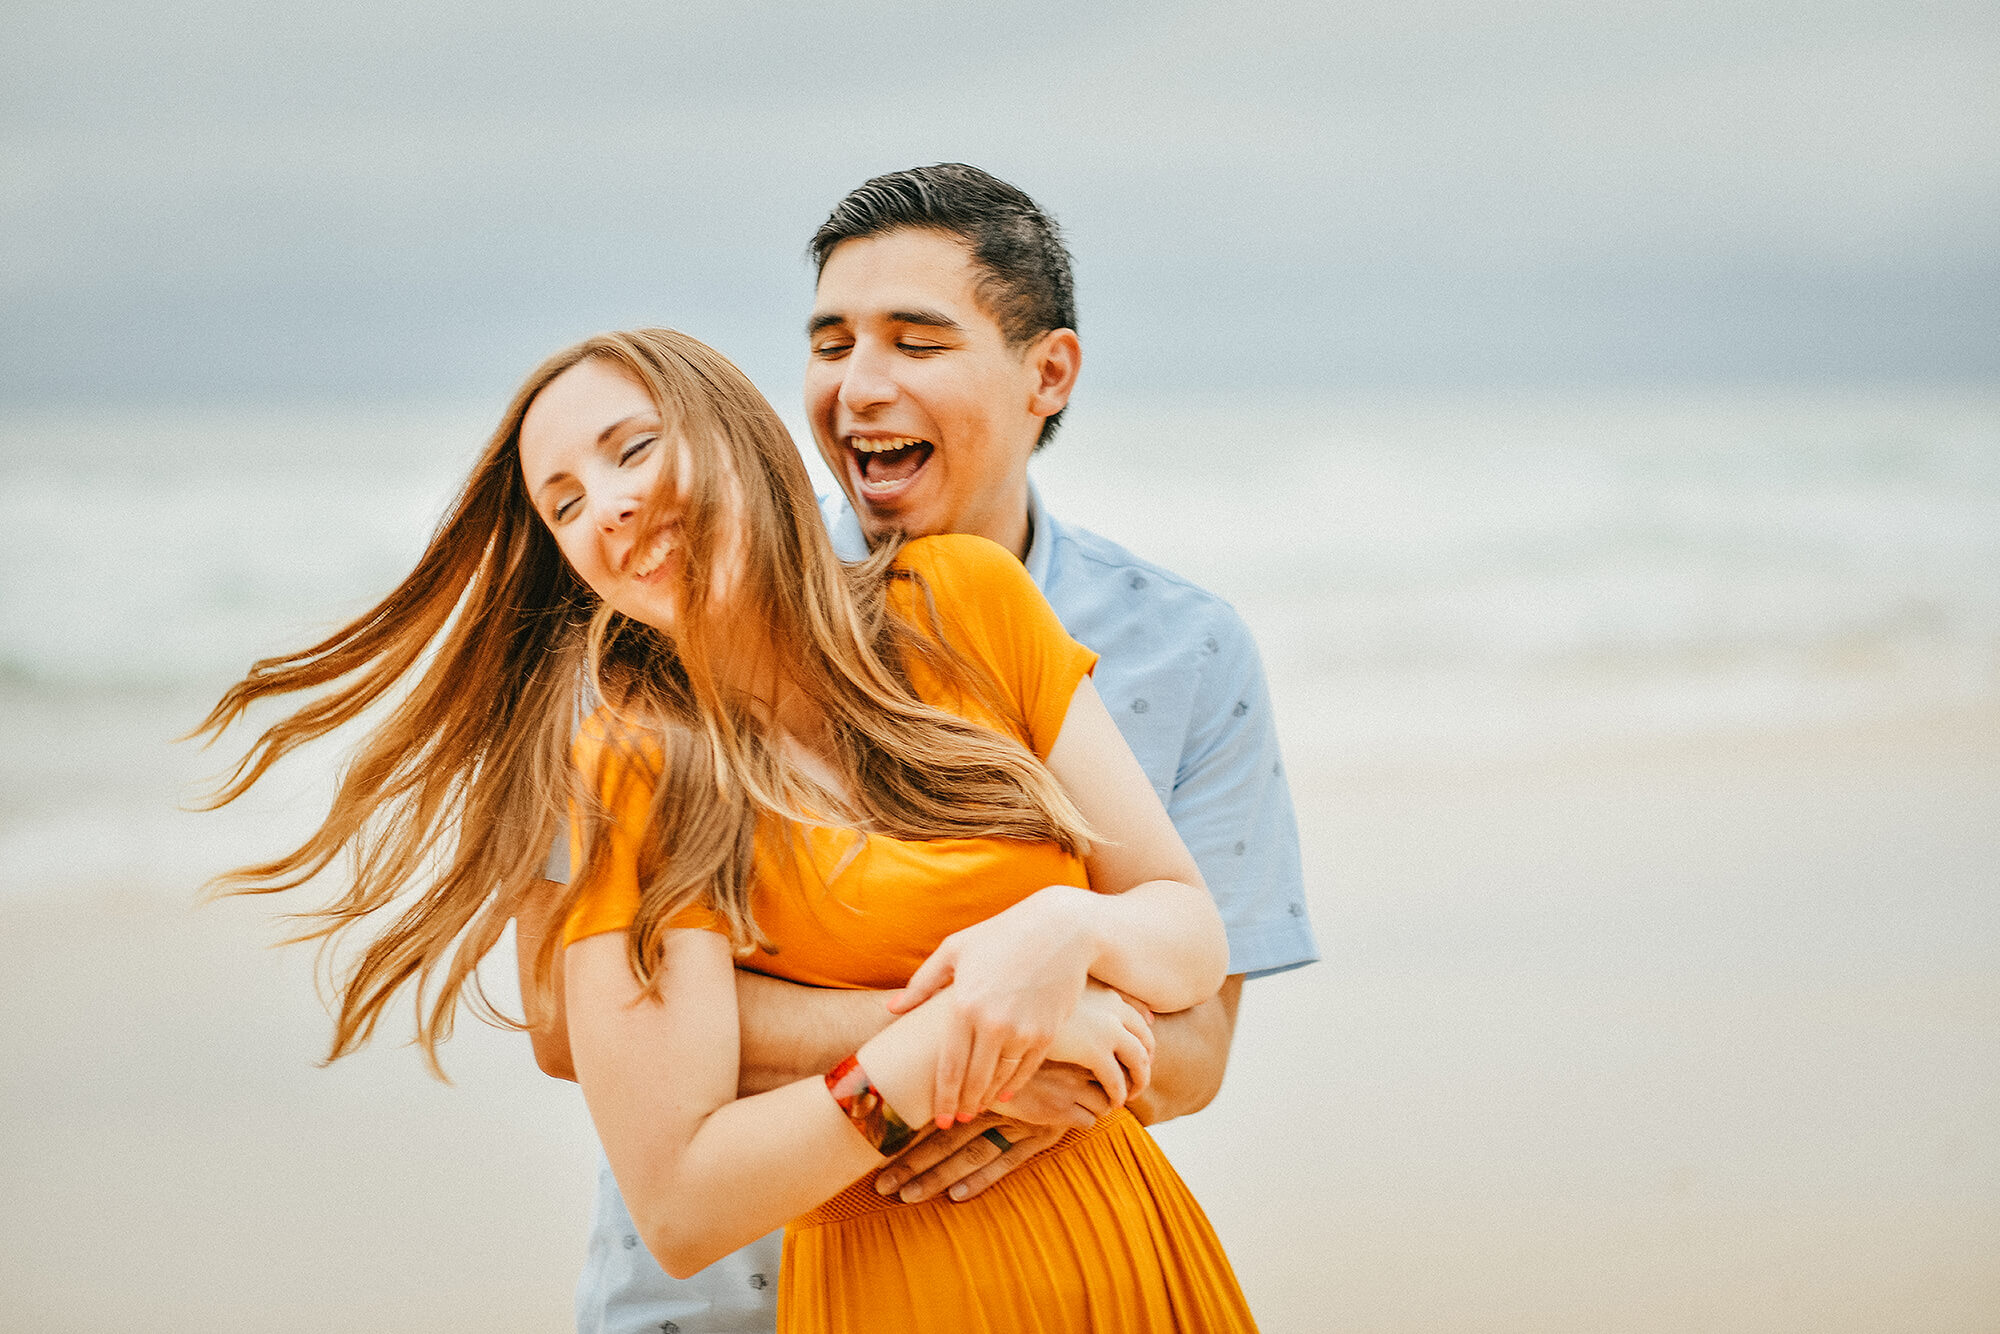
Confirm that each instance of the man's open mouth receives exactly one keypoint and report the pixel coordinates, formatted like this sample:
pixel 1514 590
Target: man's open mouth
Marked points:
pixel 885 463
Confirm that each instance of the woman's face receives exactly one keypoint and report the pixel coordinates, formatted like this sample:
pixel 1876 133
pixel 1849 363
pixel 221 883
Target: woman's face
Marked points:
pixel 592 455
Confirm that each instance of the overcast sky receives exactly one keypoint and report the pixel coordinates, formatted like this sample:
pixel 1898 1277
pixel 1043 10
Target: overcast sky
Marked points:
pixel 413 199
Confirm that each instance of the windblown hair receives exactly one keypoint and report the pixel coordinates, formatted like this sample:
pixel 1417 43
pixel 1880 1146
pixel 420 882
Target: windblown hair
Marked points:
pixel 1025 282
pixel 483 657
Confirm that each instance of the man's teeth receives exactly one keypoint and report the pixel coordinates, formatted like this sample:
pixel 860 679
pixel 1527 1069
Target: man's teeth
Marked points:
pixel 882 444
pixel 662 546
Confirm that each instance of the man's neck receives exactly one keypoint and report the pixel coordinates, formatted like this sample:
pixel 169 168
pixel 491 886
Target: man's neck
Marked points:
pixel 1012 526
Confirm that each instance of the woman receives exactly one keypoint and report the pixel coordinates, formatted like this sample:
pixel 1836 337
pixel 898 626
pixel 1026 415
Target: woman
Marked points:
pixel 895 773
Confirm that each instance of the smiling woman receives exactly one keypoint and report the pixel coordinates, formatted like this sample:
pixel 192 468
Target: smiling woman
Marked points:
pixel 592 481
pixel 894 774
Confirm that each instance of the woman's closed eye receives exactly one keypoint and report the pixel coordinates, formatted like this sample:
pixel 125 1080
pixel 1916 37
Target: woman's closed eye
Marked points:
pixel 634 447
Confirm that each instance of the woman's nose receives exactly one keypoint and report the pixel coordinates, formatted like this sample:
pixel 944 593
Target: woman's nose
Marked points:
pixel 615 512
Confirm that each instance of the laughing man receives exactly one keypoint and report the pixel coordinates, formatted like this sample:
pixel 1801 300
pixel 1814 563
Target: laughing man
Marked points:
pixel 943 349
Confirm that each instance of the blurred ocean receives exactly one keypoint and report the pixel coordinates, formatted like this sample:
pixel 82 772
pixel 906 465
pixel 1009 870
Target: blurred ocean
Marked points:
pixel 1427 579
pixel 1456 578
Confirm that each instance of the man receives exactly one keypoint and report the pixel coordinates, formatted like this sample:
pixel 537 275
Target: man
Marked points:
pixel 943 350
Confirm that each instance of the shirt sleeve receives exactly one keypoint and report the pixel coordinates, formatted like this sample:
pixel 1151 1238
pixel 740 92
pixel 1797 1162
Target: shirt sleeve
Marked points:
pixel 992 613
pixel 610 899
pixel 1232 805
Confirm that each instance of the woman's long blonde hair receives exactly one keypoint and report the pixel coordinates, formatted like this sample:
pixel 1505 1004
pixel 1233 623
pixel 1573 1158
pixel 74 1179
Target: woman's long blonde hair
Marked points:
pixel 449 806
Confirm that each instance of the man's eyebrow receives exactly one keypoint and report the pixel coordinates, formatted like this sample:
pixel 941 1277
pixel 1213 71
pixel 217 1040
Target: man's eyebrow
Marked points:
pixel 928 319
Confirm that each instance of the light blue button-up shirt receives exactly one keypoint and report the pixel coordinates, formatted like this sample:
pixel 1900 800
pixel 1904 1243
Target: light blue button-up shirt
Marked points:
pixel 1181 676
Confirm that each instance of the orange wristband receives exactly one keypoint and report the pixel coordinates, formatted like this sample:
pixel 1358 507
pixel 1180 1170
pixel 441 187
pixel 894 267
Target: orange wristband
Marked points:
pixel 867 1108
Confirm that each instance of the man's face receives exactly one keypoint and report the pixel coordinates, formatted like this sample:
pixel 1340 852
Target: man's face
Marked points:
pixel 917 403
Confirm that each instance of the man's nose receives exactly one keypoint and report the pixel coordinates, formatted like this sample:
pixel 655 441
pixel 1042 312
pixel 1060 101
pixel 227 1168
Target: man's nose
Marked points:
pixel 867 379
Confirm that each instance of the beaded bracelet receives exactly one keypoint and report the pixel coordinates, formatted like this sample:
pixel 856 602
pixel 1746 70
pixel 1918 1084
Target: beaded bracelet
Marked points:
pixel 867 1108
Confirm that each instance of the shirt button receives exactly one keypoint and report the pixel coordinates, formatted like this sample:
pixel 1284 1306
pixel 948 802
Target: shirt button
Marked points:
pixel 1140 706
pixel 1138 581
pixel 1209 645
pixel 631 1243
pixel 759 1281
pixel 1242 707
pixel 1240 847
pixel 1297 910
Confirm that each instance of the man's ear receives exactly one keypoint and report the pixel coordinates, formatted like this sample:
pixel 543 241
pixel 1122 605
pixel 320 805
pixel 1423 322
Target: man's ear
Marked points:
pixel 1056 358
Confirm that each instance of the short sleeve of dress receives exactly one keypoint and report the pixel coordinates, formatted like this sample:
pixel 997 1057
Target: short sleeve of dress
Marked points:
pixel 991 611
pixel 609 899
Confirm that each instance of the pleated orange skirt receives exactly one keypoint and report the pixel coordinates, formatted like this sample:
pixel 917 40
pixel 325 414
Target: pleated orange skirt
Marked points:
pixel 1098 1233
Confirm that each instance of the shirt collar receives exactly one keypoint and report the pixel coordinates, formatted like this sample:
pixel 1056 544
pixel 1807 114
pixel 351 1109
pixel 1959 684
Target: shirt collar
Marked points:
pixel 1042 535
pixel 845 529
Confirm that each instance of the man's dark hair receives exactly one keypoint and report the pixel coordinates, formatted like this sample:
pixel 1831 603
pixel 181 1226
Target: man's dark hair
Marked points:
pixel 1024 282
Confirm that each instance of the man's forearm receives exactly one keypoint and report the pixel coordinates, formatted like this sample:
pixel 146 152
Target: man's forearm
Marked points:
pixel 792 1031
pixel 1190 1056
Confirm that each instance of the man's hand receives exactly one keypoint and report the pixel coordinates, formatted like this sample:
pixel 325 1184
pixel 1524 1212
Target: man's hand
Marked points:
pixel 965 1160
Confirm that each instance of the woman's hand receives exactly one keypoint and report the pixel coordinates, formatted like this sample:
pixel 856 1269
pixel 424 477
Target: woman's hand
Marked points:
pixel 1013 981
pixel 1110 1037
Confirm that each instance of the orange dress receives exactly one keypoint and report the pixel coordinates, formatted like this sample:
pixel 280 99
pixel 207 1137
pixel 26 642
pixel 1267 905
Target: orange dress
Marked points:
pixel 1097 1233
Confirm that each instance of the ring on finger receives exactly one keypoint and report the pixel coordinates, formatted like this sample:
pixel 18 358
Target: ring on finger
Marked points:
pixel 999 1141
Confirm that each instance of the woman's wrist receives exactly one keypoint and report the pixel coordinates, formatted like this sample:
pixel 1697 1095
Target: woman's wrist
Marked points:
pixel 901 1060
pixel 1072 921
pixel 867 1110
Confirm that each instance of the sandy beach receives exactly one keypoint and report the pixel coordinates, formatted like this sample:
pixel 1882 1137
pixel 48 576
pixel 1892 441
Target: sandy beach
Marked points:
pixel 1676 1035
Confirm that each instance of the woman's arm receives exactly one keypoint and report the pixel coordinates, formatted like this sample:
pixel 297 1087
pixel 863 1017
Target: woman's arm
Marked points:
pixel 1150 929
pixel 789 1030
pixel 703 1172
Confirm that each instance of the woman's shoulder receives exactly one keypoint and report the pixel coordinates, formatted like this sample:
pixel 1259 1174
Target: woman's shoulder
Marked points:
pixel 612 746
pixel 961 557
pixel 976 586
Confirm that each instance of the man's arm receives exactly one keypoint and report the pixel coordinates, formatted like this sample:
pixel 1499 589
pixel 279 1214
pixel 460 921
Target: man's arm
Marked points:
pixel 792 1031
pixel 1190 1055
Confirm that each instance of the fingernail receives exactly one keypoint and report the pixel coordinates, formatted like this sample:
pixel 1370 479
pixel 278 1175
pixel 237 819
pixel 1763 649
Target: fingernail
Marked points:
pixel 1006 1095
pixel 963 1117
pixel 957 1192
pixel 887 1183
pixel 912 1195
pixel 944 1121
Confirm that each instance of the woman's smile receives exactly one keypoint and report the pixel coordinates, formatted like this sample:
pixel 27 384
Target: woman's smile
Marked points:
pixel 665 541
